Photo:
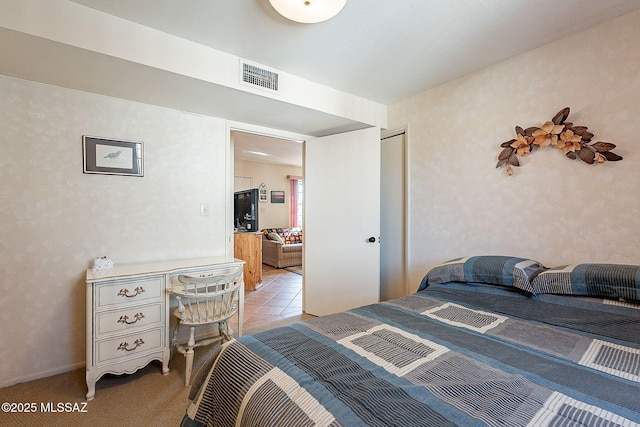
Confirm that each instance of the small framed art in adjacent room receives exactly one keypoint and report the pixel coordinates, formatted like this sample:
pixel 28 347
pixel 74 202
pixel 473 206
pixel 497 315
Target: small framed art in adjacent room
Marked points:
pixel 277 197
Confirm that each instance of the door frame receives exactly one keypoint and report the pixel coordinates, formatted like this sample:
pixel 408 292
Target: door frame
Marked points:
pixel 278 133
pixel 229 160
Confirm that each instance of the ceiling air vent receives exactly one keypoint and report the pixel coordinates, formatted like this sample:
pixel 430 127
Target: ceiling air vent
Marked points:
pixel 258 76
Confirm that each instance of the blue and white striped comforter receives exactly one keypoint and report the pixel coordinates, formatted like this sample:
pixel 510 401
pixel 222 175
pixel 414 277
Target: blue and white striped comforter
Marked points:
pixel 453 354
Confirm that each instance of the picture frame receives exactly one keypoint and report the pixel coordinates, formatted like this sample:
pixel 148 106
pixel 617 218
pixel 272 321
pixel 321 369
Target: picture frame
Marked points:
pixel 262 192
pixel 277 197
pixel 112 156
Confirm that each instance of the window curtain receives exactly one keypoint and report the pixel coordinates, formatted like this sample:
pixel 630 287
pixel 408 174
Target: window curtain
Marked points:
pixel 294 182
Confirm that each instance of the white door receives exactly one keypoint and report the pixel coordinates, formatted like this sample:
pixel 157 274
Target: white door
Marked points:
pixel 341 216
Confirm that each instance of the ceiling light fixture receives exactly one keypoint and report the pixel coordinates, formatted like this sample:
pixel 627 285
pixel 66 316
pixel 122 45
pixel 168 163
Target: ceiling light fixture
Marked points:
pixel 308 11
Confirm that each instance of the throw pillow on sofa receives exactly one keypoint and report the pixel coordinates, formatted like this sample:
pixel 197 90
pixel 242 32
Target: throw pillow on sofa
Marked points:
pixel 293 235
pixel 276 237
pixel 288 235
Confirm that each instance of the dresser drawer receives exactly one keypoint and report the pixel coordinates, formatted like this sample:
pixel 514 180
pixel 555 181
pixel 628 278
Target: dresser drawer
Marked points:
pixel 130 345
pixel 129 292
pixel 131 318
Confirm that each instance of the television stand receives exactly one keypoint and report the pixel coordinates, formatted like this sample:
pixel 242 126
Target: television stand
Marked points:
pixel 247 245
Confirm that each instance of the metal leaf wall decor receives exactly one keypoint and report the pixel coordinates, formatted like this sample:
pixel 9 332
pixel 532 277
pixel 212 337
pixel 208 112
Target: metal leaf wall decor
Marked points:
pixel 574 141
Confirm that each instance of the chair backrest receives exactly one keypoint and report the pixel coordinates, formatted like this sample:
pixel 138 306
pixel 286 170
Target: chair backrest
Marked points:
pixel 210 298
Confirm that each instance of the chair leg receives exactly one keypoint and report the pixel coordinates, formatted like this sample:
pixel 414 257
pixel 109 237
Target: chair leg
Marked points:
pixel 226 331
pixel 189 356
pixel 174 339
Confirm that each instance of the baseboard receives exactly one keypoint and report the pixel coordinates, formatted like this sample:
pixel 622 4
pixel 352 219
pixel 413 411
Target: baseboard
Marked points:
pixel 42 374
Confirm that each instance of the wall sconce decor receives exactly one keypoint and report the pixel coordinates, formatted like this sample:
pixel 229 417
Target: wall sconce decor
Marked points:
pixel 574 141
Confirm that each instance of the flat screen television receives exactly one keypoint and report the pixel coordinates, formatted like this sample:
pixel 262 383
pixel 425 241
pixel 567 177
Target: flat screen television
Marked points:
pixel 245 210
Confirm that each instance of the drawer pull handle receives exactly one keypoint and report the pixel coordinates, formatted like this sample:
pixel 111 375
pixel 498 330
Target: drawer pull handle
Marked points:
pixel 125 319
pixel 125 292
pixel 124 346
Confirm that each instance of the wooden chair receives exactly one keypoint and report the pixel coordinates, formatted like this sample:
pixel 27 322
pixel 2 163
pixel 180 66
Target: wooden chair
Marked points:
pixel 205 301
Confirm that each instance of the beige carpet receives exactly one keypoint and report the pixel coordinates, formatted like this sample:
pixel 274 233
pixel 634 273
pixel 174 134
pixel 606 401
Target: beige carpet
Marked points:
pixel 145 398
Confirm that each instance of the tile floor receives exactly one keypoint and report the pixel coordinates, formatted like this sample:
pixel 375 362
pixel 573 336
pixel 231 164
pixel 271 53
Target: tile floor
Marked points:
pixel 279 297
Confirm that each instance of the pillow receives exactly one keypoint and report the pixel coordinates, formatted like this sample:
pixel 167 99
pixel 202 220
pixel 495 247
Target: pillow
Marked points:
pixel 489 269
pixel 276 237
pixel 611 281
pixel 294 235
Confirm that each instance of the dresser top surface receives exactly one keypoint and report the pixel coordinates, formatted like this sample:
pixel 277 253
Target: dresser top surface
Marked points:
pixel 156 267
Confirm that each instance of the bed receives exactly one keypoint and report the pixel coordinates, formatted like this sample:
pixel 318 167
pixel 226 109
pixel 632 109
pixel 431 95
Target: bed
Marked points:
pixel 485 340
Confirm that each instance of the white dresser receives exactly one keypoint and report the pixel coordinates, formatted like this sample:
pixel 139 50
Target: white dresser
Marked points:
pixel 128 314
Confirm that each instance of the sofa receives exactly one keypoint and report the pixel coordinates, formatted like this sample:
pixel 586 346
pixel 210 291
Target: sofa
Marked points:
pixel 282 247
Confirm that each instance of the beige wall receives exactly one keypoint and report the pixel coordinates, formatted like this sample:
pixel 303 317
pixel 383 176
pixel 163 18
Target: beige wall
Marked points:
pixel 54 219
pixel 554 209
pixel 270 215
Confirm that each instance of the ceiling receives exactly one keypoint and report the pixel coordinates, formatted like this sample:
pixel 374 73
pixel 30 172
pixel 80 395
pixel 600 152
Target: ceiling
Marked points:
pixel 380 50
pixel 265 149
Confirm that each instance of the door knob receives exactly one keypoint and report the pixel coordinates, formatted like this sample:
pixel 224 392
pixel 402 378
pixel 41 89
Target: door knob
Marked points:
pixel 372 239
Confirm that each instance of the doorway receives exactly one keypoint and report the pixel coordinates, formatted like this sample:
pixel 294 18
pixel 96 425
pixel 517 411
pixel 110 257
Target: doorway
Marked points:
pixel 268 163
pixel 394 269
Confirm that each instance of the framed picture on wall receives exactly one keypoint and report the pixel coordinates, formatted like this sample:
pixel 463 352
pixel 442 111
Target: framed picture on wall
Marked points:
pixel 262 192
pixel 277 197
pixel 111 156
